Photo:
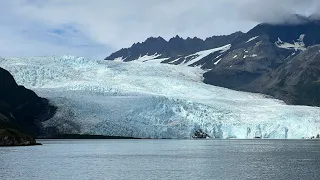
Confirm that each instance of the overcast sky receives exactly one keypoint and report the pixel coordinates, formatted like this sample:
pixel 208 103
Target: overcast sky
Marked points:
pixel 95 28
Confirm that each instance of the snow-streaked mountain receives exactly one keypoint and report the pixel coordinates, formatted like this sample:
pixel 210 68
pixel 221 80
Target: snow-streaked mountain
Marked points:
pixel 279 41
pixel 298 79
pixel 175 51
pixel 188 60
pixel 245 56
pixel 255 58
pixel 241 60
pixel 154 100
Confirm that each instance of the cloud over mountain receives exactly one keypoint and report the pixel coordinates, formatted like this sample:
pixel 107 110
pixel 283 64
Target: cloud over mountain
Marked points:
pixel 34 27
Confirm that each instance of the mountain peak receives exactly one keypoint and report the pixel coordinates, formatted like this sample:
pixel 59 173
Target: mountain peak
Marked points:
pixel 155 38
pixel 177 37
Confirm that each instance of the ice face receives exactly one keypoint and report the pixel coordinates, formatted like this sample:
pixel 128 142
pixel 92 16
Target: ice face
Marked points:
pixel 152 100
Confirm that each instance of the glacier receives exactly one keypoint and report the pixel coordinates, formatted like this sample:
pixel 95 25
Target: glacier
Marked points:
pixel 154 100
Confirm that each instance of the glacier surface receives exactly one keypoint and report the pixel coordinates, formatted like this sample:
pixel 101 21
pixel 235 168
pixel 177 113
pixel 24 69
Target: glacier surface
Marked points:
pixel 153 100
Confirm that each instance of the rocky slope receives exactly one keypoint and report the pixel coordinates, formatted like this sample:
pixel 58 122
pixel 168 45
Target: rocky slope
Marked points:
pixel 262 49
pixel 248 66
pixel 297 81
pixel 11 137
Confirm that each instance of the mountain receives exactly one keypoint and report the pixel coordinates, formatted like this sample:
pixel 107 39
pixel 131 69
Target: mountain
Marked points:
pixel 21 108
pixel 268 50
pixel 242 60
pixel 173 51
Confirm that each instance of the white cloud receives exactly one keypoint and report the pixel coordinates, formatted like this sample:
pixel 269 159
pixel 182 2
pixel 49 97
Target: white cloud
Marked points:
pixel 106 25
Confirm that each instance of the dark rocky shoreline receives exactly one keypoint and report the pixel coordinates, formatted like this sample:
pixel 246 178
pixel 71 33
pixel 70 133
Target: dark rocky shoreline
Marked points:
pixel 21 112
pixel 11 137
pixel 86 136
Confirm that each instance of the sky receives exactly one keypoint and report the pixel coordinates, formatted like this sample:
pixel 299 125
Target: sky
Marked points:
pixel 97 28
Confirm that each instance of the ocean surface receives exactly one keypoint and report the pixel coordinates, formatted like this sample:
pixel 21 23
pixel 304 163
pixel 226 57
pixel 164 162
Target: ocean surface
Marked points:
pixel 162 159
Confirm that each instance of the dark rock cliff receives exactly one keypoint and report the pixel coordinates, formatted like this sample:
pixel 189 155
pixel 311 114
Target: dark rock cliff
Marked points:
pixel 21 108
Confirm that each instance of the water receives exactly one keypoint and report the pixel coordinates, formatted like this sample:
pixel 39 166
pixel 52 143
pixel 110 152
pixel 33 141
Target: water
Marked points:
pixel 162 159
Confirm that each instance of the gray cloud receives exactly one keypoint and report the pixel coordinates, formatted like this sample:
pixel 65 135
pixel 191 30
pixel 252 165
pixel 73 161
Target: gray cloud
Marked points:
pixel 107 25
pixel 278 11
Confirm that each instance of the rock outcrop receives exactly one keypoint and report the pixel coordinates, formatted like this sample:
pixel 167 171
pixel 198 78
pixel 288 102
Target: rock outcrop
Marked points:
pixel 11 137
pixel 21 108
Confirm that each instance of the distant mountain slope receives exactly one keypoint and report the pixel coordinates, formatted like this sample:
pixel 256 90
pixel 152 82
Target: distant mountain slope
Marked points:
pixel 174 51
pixel 262 51
pixel 269 43
pixel 297 81
pixel 21 108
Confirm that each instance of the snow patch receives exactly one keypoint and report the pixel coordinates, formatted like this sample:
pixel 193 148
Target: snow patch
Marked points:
pixel 172 62
pixel 157 60
pixel 253 55
pixel 118 59
pixel 297 45
pixel 217 61
pixel 253 38
pixel 218 56
pixel 147 57
pixel 205 53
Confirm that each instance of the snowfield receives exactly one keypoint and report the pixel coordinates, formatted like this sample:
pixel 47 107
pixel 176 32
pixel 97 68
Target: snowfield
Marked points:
pixel 299 45
pixel 153 100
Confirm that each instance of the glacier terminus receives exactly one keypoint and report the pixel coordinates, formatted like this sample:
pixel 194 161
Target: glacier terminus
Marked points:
pixel 154 100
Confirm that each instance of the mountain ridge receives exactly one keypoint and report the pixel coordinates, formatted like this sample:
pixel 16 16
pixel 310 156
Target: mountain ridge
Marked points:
pixel 173 48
